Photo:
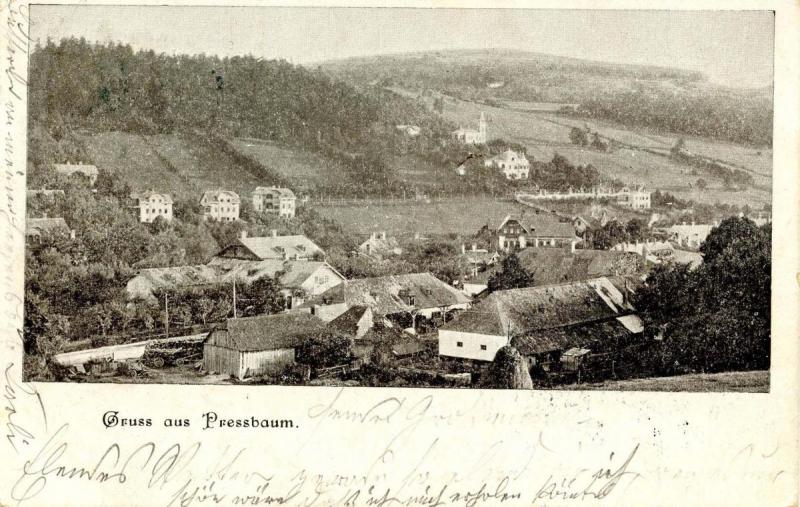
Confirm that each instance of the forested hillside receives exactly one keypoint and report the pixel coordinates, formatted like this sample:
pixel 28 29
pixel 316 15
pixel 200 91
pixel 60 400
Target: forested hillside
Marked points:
pixel 77 85
pixel 670 100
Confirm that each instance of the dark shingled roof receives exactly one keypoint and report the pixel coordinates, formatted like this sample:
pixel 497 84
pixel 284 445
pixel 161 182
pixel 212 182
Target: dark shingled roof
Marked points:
pixel 265 332
pixel 382 293
pixel 581 335
pixel 348 321
pixel 545 307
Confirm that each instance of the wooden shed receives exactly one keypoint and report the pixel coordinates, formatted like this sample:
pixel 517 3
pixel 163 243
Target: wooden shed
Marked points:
pixel 258 345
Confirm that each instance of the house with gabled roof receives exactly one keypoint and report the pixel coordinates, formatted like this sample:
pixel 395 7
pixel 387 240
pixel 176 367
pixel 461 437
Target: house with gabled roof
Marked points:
pixel 278 200
pixel 478 333
pixel 272 247
pixel 152 205
pixel 221 205
pixel 251 346
pixel 44 227
pixel 517 232
pixel 298 280
pixel 515 166
pixel 399 298
pixel 379 245
pixel 88 171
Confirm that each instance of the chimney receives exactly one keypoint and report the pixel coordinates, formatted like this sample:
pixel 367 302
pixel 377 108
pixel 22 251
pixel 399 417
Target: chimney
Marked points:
pixel 274 233
pixel 243 235
pixel 474 247
pixel 572 247
pixel 463 249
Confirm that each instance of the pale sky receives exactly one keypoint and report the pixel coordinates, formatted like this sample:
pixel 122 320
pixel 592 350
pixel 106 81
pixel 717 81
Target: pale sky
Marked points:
pixel 734 48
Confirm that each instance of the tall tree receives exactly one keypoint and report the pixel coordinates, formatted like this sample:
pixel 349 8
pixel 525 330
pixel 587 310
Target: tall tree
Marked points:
pixel 512 275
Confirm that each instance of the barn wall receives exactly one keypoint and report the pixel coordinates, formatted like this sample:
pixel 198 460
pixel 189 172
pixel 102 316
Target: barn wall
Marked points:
pixel 221 360
pixel 471 349
pixel 265 362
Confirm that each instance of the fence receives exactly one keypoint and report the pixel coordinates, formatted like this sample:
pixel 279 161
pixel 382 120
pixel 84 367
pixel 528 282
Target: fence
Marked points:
pixel 396 201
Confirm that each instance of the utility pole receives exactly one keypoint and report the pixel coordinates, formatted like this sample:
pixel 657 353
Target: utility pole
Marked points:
pixel 166 313
pixel 234 298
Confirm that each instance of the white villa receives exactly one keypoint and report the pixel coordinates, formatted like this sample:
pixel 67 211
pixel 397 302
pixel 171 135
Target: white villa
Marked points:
pixel 152 205
pixel 275 200
pixel 222 205
pixel 514 165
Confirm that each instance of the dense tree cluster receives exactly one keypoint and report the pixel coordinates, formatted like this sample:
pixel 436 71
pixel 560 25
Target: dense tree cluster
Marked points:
pixel 75 84
pixel 512 275
pixel 716 317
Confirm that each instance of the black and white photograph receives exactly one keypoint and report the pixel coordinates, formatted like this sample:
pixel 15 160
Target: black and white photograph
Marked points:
pixel 399 197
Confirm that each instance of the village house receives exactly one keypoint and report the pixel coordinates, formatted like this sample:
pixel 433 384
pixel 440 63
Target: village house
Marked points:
pixel 545 319
pixel 152 205
pixel 401 300
pixel 251 346
pixel 37 229
pixel 220 205
pixel 469 136
pixel 689 235
pixel 87 170
pixel 280 201
pixel 355 322
pixel 560 265
pixel 409 130
pixel 514 165
pixel 297 280
pixel 474 262
pixel 147 281
pixel 636 199
pixel 274 247
pixel 378 245
pixel 534 230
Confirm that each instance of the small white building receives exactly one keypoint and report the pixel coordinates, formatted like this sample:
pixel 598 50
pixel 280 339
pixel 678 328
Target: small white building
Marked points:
pixel 690 235
pixel 380 245
pixel 152 205
pixel 478 334
pixel 637 198
pixel 514 165
pixel 470 136
pixel 87 170
pixel 281 201
pixel 220 205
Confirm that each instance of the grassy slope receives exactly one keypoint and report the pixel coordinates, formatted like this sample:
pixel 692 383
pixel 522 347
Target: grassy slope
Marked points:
pixel 739 382
pixel 544 134
pixel 183 166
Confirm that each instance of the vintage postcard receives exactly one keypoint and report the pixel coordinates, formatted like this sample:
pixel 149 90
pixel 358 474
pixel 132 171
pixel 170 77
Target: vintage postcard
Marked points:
pixel 410 255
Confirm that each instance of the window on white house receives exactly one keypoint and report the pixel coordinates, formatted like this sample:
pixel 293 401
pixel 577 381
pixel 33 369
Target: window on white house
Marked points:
pixel 459 344
pixel 483 347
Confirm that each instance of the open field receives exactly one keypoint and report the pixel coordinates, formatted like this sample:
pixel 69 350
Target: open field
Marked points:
pixel 304 170
pixel 183 166
pixel 735 382
pixel 454 216
pixel 545 134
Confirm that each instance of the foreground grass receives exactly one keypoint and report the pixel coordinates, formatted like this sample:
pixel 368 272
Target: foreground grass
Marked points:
pixel 736 381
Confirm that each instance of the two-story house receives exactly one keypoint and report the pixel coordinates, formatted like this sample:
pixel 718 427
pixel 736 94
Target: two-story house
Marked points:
pixel 152 205
pixel 220 205
pixel 515 166
pixel 280 201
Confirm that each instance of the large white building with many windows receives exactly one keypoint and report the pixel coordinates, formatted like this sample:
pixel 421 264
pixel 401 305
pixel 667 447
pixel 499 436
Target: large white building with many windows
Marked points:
pixel 280 201
pixel 221 205
pixel 514 165
pixel 152 205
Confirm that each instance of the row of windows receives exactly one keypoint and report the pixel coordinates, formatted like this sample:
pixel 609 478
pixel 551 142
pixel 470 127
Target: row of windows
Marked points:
pixel 159 211
pixel 461 345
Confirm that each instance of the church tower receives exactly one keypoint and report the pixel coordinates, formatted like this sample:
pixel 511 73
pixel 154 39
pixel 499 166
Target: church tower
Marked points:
pixel 482 129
